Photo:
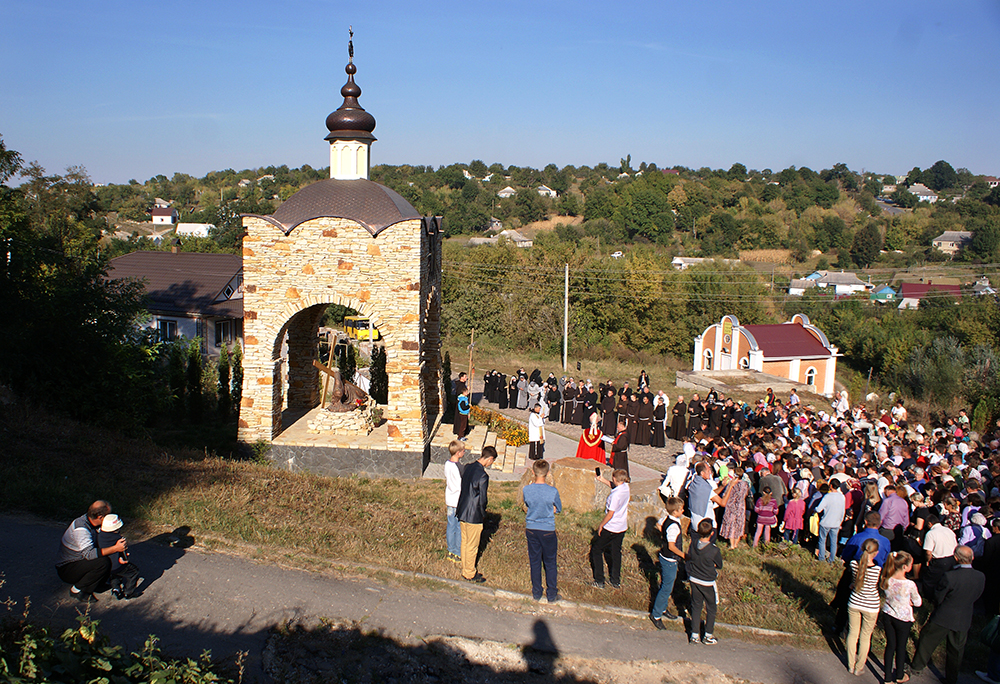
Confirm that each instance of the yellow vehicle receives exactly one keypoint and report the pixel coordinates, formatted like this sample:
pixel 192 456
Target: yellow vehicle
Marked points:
pixel 357 328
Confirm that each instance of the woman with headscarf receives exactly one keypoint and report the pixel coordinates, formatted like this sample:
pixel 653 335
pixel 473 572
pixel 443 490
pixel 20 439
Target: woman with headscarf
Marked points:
pixel 591 442
pixel 522 390
pixel 500 382
pixel 658 438
pixel 534 393
pixel 512 391
pixel 677 474
pixel 644 422
pixel 678 425
pixel 552 397
pixel 734 520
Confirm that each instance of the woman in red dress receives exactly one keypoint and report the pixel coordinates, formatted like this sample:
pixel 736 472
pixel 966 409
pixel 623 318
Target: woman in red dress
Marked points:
pixel 591 445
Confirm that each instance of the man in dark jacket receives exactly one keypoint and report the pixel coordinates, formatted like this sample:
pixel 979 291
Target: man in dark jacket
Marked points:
pixel 619 448
pixel 472 511
pixel 704 560
pixel 954 597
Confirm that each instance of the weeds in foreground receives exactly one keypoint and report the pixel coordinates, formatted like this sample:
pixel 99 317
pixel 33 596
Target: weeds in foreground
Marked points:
pixel 29 652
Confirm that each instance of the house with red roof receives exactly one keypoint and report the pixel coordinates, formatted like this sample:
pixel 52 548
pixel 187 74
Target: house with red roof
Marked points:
pixel 796 350
pixel 910 294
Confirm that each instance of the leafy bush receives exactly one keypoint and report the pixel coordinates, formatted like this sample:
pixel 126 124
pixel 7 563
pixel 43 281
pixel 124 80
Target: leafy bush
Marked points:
pixel 29 653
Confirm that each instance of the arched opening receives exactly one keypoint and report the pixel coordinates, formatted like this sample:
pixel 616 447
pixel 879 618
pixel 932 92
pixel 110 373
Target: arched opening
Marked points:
pixel 811 376
pixel 708 360
pixel 318 333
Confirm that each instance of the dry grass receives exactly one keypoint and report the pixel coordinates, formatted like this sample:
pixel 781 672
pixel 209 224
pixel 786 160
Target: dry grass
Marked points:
pixel 54 468
pixel 767 256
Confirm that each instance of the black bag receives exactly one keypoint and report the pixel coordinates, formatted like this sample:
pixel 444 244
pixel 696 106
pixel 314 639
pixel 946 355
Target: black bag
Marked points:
pixel 990 636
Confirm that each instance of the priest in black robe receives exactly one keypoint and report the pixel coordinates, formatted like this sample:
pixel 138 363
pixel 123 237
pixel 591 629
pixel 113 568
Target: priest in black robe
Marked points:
pixel 678 424
pixel 643 421
pixel 609 416
pixel 658 438
pixel 694 411
pixel 554 401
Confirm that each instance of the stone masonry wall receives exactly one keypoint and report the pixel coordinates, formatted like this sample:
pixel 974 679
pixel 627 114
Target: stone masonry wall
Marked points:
pixel 333 260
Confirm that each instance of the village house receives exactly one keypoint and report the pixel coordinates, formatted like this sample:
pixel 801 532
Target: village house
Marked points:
pixel 194 229
pixel 843 283
pixel 910 294
pixel 952 241
pixel 164 215
pixel 189 294
pixel 683 263
pixel 506 192
pixel 546 191
pixel 883 295
pixel 514 237
pixel 923 193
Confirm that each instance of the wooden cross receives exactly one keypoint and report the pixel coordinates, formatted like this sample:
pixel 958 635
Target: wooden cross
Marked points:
pixel 327 371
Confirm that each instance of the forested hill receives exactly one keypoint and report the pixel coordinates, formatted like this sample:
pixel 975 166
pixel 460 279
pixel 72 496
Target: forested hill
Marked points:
pixel 701 212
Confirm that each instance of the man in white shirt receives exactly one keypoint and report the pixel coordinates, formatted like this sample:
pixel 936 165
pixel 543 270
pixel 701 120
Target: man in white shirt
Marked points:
pixel 452 490
pixel 832 508
pixel 939 547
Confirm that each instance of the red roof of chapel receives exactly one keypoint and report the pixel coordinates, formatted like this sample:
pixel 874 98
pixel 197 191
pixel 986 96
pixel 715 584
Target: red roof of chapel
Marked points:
pixel 786 340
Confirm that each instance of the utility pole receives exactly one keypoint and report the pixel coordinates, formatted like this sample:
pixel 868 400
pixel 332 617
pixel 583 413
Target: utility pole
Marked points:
pixel 566 319
pixel 472 370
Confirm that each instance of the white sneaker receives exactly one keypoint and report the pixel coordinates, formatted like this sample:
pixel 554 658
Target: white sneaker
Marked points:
pixel 73 590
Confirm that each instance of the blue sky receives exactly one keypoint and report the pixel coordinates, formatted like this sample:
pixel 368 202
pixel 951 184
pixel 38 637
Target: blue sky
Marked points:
pixel 134 89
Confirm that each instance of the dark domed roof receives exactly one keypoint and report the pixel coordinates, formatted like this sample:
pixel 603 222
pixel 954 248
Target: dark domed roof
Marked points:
pixel 374 206
pixel 350 121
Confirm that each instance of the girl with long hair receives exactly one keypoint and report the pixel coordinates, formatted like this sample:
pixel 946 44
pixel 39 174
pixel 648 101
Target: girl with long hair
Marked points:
pixel 901 597
pixel 862 607
pixel 767 516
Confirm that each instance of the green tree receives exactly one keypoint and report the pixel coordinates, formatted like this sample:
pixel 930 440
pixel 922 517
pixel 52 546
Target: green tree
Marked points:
pixel 195 396
pixel 940 176
pixel 348 362
pixel 867 245
pixel 478 169
pixel 236 388
pixel 986 239
pixel 379 377
pixel 224 381
pixel 737 172
pixel 569 204
pixel 529 206
pixel 904 198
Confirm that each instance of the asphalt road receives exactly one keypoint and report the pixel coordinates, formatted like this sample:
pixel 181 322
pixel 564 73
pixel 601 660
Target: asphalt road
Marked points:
pixel 196 599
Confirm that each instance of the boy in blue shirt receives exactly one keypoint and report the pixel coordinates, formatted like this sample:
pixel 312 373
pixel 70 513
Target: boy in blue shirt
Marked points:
pixel 541 501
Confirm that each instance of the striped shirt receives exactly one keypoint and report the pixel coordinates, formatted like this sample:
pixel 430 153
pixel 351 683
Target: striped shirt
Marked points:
pixel 867 600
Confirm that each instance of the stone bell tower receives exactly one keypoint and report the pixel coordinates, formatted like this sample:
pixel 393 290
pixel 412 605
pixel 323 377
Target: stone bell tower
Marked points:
pixel 348 241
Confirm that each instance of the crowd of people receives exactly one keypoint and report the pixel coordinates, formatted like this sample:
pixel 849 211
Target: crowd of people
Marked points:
pixel 911 513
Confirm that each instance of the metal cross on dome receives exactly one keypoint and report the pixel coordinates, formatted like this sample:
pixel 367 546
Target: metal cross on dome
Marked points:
pixel 350 45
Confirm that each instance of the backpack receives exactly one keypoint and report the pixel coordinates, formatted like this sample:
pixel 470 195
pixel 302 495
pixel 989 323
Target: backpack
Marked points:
pixel 978 540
